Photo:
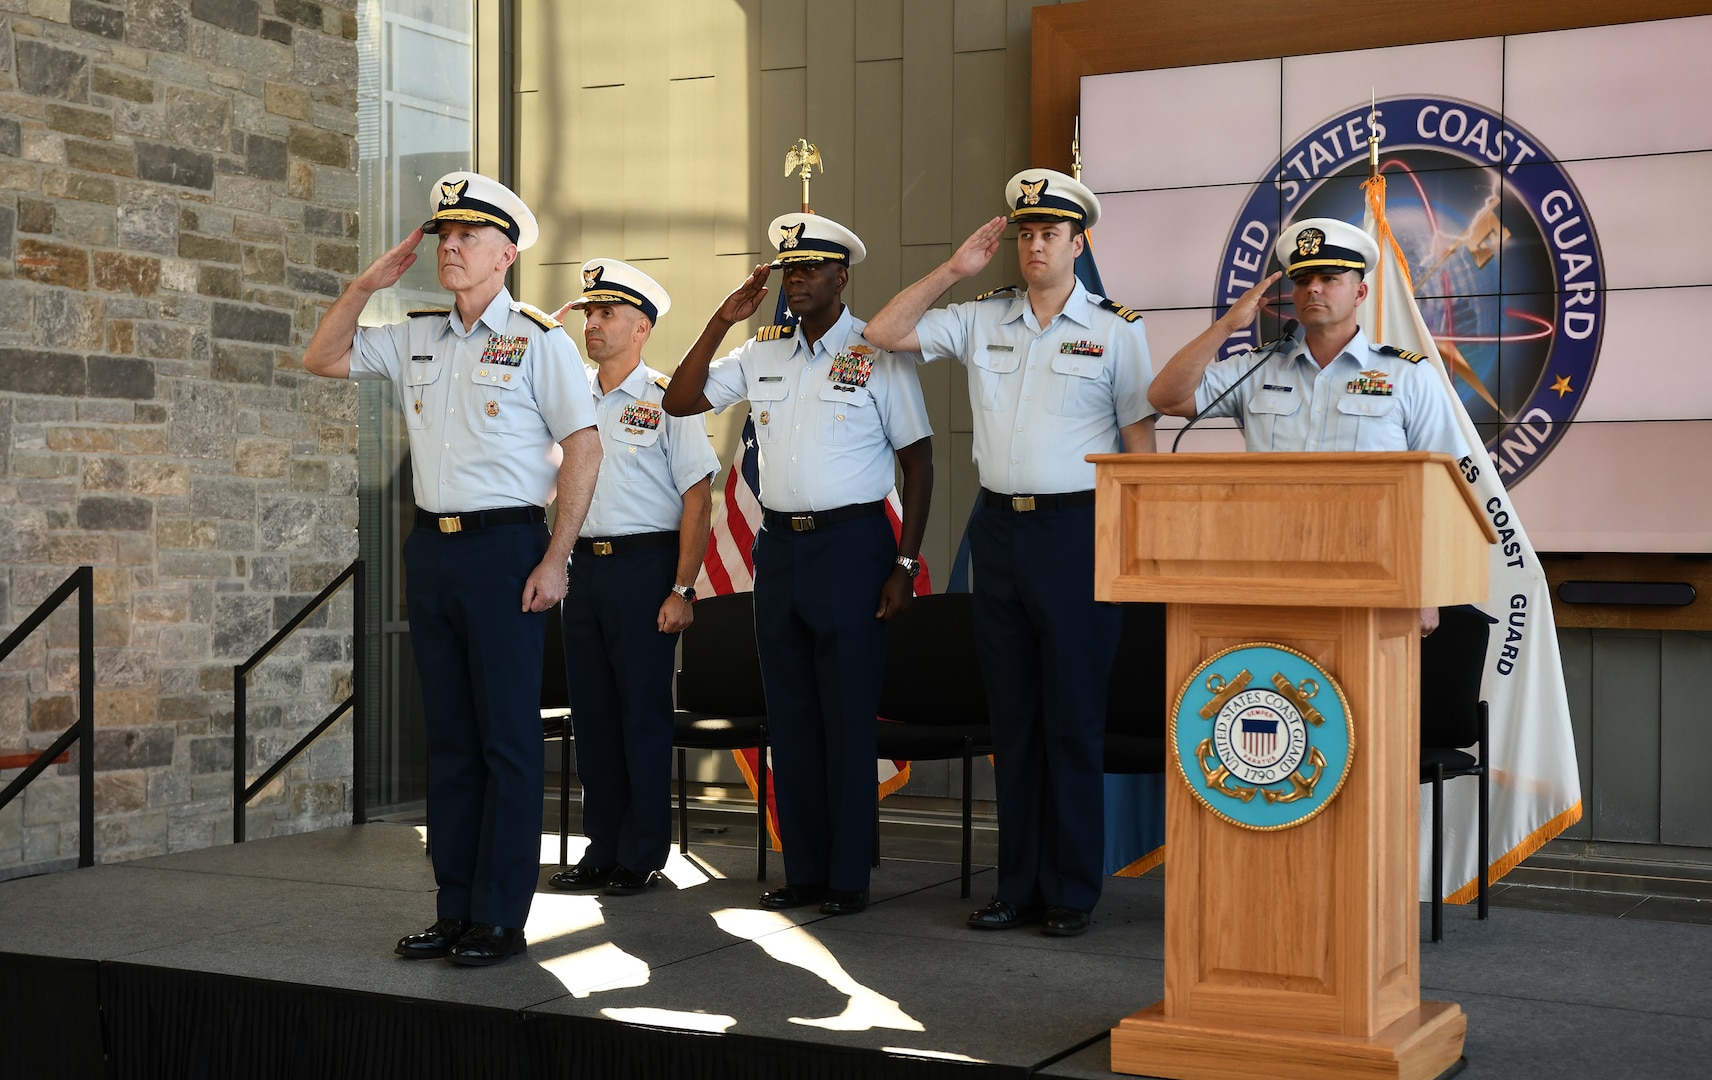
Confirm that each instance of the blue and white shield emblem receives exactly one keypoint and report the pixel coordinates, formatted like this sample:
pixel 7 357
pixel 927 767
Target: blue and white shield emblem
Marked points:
pixel 1258 739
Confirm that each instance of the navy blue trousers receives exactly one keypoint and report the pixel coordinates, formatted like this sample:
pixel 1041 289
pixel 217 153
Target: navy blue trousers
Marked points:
pixel 478 658
pixel 823 654
pixel 1046 651
pixel 619 668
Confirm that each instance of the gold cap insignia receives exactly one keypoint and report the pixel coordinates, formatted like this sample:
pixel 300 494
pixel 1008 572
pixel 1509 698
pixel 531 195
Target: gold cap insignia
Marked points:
pixel 591 278
pixel 1031 192
pixel 493 408
pixel 1308 242
pixel 791 235
pixel 451 193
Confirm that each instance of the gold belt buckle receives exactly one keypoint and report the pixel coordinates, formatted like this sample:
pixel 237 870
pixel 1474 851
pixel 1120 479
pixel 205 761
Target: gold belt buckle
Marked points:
pixel 802 523
pixel 452 524
pixel 603 547
pixel 1022 503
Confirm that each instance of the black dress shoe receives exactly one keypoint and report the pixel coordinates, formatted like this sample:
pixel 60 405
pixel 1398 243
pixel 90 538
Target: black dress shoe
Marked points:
pixel 582 878
pixel 1001 915
pixel 793 896
pixel 434 942
pixel 1065 922
pixel 624 882
pixel 844 902
pixel 485 944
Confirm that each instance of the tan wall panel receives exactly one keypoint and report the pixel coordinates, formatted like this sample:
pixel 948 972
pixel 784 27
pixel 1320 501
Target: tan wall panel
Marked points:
pixel 979 169
pixel 783 119
pixel 978 25
pixel 927 126
pixel 595 165
pixel 784 25
pixel 691 45
pixel 830 114
pixel 880 30
pixel 875 171
pixel 733 191
pixel 647 168
pixel 603 38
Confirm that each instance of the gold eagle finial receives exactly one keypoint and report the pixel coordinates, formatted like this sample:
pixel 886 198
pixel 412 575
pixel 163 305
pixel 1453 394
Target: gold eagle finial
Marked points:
pixel 804 156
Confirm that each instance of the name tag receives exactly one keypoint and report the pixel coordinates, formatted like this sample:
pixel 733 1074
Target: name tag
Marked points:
pixel 1280 389
pixel 1001 348
pixel 772 378
pixel 423 359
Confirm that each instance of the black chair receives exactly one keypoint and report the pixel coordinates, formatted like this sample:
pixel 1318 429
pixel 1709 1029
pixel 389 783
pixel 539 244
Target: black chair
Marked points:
pixel 1135 694
pixel 1453 719
pixel 721 705
pixel 556 719
pixel 933 703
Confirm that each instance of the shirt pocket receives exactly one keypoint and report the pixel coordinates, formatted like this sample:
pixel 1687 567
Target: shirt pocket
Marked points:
pixel 629 446
pixel 419 375
pixel 989 371
pixel 844 413
pixel 1370 422
pixel 765 399
pixel 1079 386
pixel 503 410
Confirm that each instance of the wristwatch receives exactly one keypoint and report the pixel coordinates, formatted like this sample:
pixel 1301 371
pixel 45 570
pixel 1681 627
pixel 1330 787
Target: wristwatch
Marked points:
pixel 912 567
pixel 685 591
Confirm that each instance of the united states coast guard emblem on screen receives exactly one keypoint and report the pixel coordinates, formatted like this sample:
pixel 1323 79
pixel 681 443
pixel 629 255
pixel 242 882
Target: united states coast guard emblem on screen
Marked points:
pixel 1505 260
pixel 1261 734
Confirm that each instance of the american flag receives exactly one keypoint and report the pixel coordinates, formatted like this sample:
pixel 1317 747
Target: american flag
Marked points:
pixel 730 567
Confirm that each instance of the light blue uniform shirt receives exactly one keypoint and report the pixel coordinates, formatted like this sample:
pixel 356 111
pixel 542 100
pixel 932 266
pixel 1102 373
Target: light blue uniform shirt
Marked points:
pixel 1043 398
pixel 485 407
pixel 649 458
pixel 828 417
pixel 1364 399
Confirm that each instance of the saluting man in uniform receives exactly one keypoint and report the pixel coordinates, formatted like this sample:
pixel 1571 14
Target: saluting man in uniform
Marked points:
pixel 632 584
pixel 1055 373
pixel 831 413
pixel 1331 390
pixel 500 420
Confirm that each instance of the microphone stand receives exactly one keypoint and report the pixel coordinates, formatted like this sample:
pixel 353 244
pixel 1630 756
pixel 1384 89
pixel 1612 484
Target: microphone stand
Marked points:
pixel 1289 334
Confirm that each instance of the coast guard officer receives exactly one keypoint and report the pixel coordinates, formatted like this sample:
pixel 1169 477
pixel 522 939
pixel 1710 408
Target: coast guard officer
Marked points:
pixel 1331 390
pixel 631 586
pixel 831 412
pixel 500 420
pixel 1055 373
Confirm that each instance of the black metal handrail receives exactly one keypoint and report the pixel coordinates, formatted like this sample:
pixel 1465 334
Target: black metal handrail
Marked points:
pixel 241 794
pixel 82 582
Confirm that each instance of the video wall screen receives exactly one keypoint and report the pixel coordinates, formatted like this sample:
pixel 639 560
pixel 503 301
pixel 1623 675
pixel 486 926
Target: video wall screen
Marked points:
pixel 1553 195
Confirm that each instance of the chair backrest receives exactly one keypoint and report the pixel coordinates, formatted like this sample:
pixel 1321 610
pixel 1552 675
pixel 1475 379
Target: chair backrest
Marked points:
pixel 1453 659
pixel 933 675
pixel 721 669
pixel 555 693
pixel 1135 693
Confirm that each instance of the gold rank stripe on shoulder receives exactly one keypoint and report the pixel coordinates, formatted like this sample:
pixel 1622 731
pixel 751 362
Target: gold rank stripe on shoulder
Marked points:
pixel 663 382
pixel 776 332
pixel 1392 350
pixel 421 312
pixel 1002 291
pixel 1124 313
pixel 538 317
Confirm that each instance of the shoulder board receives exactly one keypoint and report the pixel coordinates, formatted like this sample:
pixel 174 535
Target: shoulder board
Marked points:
pixel 420 312
pixel 1124 313
pixel 1004 291
pixel 663 382
pixel 776 332
pixel 536 315
pixel 1392 350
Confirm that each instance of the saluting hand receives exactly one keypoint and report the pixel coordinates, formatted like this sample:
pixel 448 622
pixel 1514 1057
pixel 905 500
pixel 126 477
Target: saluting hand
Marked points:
pixel 747 297
pixel 977 251
pixel 1247 308
pixel 385 271
pixel 895 594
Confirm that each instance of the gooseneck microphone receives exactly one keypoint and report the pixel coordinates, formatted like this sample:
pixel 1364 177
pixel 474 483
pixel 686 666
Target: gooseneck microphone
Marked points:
pixel 1287 334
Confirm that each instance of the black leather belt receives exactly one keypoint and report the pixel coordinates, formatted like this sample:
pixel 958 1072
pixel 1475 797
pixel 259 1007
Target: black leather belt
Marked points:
pixel 480 519
pixel 820 519
pixel 1022 504
pixel 618 545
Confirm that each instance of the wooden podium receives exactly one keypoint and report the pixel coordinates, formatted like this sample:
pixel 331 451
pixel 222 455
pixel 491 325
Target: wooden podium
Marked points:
pixel 1295 953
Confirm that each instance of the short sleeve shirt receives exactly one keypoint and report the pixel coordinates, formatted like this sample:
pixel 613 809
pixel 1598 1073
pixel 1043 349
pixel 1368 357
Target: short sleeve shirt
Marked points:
pixel 1368 398
pixel 1044 398
pixel 829 417
pixel 649 458
pixel 485 406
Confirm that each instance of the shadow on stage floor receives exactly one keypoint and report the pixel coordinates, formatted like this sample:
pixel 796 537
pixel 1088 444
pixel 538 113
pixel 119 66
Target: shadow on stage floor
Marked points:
pixel 273 959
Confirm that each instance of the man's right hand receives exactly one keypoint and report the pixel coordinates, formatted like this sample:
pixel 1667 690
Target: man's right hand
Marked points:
pixel 746 298
pixel 976 252
pixel 386 271
pixel 1247 308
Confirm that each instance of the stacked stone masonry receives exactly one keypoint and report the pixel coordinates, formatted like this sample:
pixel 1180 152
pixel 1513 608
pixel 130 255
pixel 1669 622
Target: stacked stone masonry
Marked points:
pixel 177 209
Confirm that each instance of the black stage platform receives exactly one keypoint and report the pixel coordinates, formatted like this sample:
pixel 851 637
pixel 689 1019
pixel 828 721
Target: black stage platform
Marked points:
pixel 273 959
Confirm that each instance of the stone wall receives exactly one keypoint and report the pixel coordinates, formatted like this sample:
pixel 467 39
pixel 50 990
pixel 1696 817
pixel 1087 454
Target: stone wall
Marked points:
pixel 177 207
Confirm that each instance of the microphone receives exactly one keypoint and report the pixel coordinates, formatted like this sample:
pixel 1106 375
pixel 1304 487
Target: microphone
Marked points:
pixel 1288 334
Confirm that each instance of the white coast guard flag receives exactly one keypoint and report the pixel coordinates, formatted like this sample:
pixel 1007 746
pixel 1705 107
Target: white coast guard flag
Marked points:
pixel 1536 790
